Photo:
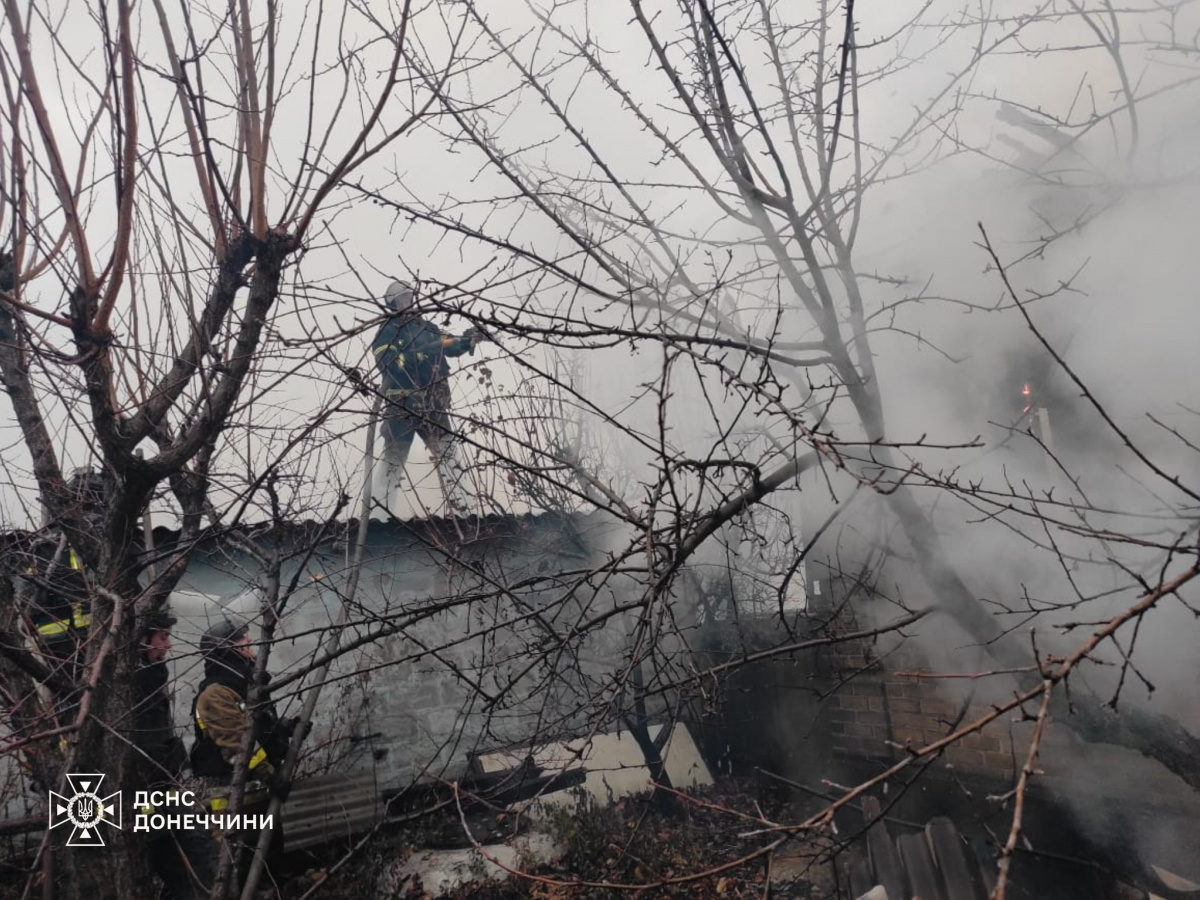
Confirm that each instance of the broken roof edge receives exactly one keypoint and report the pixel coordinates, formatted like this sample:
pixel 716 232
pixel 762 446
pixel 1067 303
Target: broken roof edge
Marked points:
pixel 455 536
pixel 432 531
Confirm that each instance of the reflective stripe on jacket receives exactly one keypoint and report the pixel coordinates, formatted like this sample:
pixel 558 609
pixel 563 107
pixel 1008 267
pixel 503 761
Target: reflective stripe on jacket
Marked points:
pixel 411 352
pixel 52 627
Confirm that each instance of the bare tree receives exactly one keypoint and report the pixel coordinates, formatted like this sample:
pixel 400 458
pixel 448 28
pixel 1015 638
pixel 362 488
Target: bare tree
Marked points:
pixel 691 226
pixel 708 205
pixel 164 170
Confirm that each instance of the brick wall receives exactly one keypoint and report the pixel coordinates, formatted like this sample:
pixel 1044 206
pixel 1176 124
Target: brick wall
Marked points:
pixel 874 711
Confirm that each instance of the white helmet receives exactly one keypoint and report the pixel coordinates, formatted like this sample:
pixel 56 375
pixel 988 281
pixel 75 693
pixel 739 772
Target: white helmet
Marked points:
pixel 399 295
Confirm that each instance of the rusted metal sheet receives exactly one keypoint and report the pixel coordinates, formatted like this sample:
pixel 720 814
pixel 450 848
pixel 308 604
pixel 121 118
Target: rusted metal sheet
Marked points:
pixel 933 863
pixel 987 864
pixel 858 877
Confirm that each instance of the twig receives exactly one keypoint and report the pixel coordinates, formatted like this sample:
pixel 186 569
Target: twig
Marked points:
pixel 968 675
pixel 1027 772
pixel 335 636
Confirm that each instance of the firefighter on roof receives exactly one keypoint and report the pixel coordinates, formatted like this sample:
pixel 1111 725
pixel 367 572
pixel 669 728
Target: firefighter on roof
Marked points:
pixel 411 354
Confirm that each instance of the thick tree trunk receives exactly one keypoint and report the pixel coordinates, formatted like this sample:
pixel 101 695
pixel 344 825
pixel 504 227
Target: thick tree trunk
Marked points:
pixel 118 870
pixel 105 741
pixel 638 723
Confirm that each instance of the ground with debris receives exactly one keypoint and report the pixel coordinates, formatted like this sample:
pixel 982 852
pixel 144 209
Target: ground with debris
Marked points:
pixel 594 851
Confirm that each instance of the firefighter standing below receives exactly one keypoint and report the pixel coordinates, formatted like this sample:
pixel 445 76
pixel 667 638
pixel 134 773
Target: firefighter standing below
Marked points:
pixel 411 354
pixel 58 596
pixel 59 589
pixel 186 860
pixel 220 719
pixel 59 611
pixel 162 756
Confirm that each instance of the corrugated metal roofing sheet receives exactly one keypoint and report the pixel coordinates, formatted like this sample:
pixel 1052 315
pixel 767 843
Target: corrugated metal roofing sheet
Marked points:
pixel 329 808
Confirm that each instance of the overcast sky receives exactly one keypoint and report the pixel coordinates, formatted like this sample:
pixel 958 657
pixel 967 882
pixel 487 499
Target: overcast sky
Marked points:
pixel 1135 266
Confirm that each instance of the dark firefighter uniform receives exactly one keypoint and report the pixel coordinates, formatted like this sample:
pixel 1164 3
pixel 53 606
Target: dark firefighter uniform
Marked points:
pixel 59 612
pixel 411 354
pixel 185 859
pixel 220 720
pixel 59 601
pixel 163 756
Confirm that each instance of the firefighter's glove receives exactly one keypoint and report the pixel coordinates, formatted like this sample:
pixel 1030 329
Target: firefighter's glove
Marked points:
pixel 282 730
pixel 280 787
pixel 473 336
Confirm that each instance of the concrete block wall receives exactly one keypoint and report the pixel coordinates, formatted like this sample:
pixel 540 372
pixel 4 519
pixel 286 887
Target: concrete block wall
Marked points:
pixel 403 717
pixel 764 715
